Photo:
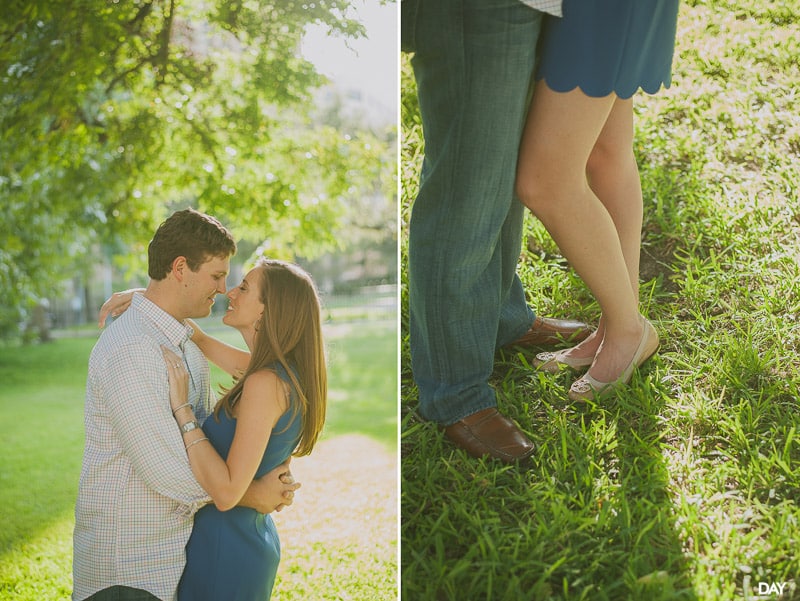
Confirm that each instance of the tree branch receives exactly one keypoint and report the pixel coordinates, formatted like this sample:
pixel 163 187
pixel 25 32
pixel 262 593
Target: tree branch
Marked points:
pixel 165 37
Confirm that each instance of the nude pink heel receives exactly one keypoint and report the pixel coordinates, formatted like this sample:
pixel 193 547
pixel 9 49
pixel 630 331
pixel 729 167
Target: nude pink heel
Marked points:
pixel 586 388
pixel 553 362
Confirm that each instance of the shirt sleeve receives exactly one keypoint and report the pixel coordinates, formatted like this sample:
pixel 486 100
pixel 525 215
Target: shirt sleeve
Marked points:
pixel 133 381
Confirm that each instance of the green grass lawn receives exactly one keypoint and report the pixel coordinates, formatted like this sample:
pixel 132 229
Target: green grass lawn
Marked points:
pixel 685 485
pixel 41 445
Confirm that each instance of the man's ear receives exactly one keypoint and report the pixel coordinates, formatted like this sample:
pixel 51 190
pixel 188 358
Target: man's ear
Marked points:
pixel 179 267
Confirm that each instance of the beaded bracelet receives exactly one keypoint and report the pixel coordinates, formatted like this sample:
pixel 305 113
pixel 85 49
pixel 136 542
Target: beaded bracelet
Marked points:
pixel 194 442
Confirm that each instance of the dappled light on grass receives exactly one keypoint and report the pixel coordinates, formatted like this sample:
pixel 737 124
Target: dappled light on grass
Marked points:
pixel 684 485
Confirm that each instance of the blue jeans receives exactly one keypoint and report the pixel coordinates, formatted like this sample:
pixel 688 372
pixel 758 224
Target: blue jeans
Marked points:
pixel 473 63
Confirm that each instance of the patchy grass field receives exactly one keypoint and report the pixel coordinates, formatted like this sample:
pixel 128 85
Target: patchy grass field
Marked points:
pixel 686 484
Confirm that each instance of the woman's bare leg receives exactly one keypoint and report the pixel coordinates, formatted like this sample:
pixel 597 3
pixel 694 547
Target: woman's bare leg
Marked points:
pixel 614 178
pixel 560 135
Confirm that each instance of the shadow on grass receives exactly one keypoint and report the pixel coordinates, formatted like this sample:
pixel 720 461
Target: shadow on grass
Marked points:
pixel 589 518
pixel 655 566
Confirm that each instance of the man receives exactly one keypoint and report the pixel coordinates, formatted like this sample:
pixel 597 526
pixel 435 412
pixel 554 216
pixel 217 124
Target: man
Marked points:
pixel 473 63
pixel 137 495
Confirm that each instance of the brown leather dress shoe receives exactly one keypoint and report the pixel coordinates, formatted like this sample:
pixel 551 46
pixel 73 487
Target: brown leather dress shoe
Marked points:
pixel 546 330
pixel 488 432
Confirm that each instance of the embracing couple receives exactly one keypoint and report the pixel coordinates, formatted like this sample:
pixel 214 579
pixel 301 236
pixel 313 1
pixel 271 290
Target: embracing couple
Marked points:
pixel 529 100
pixel 176 489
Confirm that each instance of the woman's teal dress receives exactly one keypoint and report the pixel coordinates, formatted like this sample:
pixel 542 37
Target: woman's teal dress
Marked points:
pixel 604 46
pixel 233 555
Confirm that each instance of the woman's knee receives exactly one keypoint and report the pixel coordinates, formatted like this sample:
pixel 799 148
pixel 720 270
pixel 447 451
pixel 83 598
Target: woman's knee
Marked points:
pixel 530 189
pixel 546 188
pixel 536 185
pixel 608 160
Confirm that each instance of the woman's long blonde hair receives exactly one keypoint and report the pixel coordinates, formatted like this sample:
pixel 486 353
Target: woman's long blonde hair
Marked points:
pixel 290 333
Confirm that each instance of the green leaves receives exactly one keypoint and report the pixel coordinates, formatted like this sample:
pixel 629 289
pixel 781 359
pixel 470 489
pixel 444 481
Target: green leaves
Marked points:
pixel 111 113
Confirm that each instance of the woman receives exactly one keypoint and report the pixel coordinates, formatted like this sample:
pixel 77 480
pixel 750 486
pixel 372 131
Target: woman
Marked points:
pixel 275 407
pixel 577 172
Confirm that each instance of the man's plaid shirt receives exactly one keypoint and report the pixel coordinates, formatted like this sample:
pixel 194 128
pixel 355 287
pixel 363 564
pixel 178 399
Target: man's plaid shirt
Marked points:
pixel 552 7
pixel 137 495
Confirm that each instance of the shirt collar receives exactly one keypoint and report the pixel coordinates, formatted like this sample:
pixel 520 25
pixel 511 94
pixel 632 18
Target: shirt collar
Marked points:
pixel 175 331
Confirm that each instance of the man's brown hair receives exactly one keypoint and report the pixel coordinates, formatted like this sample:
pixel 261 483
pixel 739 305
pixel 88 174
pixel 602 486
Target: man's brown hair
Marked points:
pixel 191 234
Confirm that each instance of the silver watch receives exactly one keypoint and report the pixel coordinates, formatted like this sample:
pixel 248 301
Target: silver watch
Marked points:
pixel 189 426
